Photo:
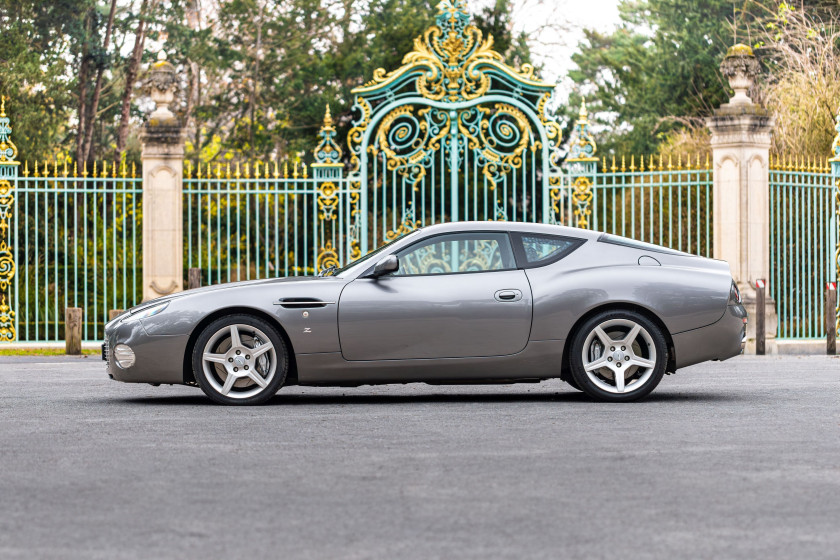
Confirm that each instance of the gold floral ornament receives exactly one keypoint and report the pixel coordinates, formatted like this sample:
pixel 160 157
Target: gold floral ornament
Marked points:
pixel 328 256
pixel 327 201
pixel 453 55
pixel 582 199
pixel 327 153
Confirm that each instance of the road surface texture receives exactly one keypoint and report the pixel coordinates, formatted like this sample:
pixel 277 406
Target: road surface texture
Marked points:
pixel 739 459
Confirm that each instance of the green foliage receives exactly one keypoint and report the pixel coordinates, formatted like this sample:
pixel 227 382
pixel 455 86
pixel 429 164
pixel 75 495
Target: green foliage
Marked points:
pixel 256 74
pixel 661 62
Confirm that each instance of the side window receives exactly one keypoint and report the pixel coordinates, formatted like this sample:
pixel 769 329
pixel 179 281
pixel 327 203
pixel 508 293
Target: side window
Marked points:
pixel 457 253
pixel 543 249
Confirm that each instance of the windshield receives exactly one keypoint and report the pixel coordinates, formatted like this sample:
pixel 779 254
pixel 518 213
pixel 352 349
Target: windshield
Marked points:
pixel 366 258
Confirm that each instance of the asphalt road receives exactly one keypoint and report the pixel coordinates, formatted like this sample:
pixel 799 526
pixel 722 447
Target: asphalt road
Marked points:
pixel 739 459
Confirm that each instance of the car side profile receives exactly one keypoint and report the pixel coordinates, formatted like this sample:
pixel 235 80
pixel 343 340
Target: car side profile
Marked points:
pixel 457 303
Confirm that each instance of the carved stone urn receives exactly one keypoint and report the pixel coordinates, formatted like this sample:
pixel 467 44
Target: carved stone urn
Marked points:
pixel 161 85
pixel 740 67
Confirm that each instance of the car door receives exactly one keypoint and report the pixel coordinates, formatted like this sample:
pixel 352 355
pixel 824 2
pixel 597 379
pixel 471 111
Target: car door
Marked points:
pixel 454 295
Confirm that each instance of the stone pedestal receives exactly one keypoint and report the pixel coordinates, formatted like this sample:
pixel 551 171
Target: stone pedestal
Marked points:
pixel 163 156
pixel 741 134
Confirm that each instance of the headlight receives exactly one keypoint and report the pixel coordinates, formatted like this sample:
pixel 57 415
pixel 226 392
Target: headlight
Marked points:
pixel 146 312
pixel 124 356
pixel 734 294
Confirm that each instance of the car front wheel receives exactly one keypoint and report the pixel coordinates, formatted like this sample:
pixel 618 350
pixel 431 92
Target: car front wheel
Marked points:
pixel 240 360
pixel 618 356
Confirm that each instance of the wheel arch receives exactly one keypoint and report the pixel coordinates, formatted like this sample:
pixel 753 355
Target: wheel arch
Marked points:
pixel 565 366
pixel 189 377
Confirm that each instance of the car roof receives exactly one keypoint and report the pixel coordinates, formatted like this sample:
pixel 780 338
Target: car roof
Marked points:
pixel 526 227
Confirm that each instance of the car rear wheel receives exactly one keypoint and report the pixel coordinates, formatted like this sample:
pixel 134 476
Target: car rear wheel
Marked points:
pixel 240 360
pixel 618 356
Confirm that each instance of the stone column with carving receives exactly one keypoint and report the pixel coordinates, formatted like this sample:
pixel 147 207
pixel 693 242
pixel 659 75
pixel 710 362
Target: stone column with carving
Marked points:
pixel 741 135
pixel 163 157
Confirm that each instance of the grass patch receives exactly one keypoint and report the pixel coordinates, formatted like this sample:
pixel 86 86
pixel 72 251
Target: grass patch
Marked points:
pixel 43 352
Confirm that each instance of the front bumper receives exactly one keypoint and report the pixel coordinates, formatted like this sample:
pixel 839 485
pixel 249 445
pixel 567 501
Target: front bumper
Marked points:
pixel 159 359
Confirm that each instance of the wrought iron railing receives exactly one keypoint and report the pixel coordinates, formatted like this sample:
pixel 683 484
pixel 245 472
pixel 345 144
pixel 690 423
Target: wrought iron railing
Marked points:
pixel 77 243
pixel 803 234
pixel 665 201
pixel 261 221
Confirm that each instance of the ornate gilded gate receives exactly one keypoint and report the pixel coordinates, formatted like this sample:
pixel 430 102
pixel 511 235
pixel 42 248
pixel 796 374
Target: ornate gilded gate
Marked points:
pixel 453 134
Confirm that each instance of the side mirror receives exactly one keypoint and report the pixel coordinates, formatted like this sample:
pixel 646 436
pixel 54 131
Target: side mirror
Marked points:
pixel 389 264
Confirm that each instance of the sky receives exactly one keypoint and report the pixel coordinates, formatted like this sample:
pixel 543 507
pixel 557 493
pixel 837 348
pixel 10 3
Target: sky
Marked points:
pixel 554 52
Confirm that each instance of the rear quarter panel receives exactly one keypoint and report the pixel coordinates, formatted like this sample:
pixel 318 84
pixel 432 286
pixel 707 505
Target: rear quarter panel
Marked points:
pixel 684 292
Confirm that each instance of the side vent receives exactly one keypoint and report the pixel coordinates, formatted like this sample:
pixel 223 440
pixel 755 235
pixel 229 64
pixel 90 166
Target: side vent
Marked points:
pixel 302 303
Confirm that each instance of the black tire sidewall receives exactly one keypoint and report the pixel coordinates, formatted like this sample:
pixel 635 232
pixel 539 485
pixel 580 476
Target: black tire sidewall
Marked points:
pixel 576 357
pixel 243 319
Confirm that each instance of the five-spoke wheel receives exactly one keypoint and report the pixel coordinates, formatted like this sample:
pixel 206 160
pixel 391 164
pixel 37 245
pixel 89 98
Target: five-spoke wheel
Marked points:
pixel 618 356
pixel 240 359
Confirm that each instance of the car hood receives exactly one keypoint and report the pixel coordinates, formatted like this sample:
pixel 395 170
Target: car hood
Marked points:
pixel 295 280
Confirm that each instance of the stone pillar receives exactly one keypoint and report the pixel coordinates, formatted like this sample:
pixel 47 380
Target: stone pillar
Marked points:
pixel 163 157
pixel 741 134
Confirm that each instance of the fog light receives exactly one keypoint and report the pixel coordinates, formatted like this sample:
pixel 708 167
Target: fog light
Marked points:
pixel 124 356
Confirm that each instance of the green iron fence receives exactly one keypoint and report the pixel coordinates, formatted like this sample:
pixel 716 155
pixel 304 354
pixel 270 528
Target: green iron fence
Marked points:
pixel 252 222
pixel 666 202
pixel 803 234
pixel 77 243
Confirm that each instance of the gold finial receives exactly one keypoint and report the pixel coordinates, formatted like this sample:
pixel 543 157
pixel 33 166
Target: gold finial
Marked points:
pixel 642 162
pixel 133 170
pixel 2 106
pixel 35 173
pixel 304 170
pixel 286 169
pixel 622 164
pixel 679 160
pixel 670 166
pixel 603 164
pixel 276 170
pixel 198 170
pixel 328 122
pixel 583 113
pixel 257 170
pixel 218 170
pixel 613 168
pixel 632 163
pixel 189 169
pixel 295 175
pixel 26 168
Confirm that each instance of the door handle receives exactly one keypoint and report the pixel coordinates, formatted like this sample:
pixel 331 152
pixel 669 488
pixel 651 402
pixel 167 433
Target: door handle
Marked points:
pixel 508 295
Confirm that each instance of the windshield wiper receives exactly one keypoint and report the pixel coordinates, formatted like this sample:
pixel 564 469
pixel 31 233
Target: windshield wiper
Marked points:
pixel 328 271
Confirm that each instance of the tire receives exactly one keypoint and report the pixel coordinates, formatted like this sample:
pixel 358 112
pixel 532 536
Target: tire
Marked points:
pixel 618 356
pixel 232 365
pixel 571 381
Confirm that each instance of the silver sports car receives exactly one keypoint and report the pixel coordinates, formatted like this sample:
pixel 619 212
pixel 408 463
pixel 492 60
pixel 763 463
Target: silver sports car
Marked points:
pixel 466 302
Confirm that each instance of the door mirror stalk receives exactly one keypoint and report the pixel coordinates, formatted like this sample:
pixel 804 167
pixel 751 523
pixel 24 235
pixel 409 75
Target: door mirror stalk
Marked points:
pixel 387 265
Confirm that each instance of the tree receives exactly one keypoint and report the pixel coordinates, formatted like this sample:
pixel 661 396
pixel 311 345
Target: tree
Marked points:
pixel 657 72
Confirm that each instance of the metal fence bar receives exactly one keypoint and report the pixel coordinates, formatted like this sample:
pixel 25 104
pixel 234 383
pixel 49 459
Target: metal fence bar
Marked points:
pixel 802 234
pixel 72 248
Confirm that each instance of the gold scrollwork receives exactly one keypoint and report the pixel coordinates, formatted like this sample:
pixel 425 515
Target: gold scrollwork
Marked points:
pixel 327 201
pixel 451 58
pixel 7 321
pixel 407 225
pixel 582 199
pixel 327 256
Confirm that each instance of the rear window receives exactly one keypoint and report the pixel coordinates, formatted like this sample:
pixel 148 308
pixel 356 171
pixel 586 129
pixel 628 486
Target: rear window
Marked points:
pixel 641 245
pixel 539 249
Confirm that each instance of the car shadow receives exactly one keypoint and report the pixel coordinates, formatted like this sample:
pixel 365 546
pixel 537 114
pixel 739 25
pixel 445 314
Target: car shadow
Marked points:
pixel 362 399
